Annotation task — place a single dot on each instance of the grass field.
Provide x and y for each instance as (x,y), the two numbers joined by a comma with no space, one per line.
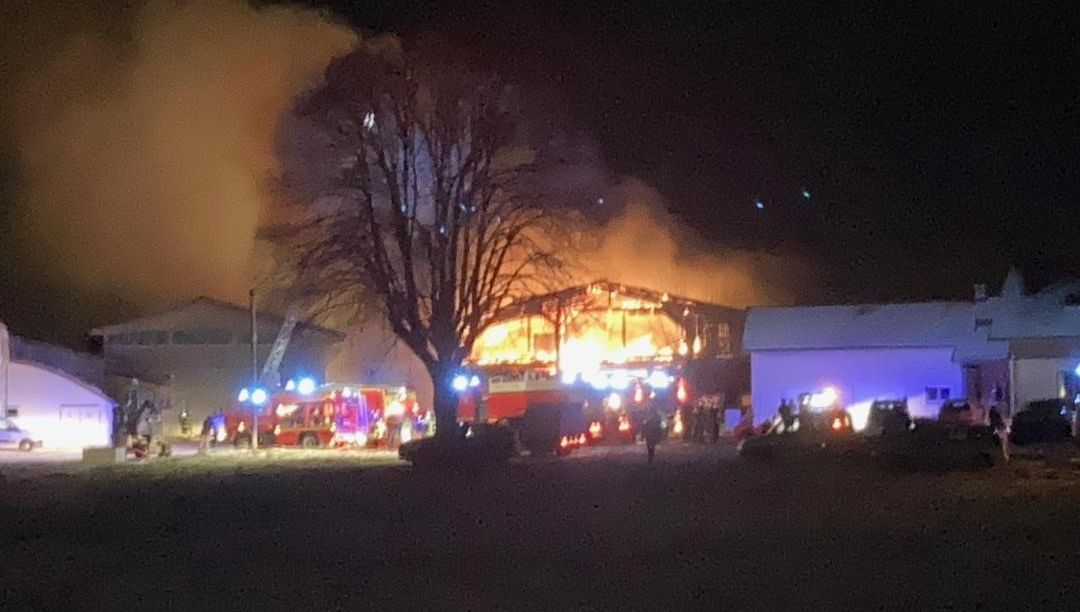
(599,530)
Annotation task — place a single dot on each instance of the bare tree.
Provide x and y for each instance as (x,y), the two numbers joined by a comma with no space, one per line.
(419,195)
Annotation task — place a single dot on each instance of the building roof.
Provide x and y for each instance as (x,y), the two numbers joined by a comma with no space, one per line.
(1036,316)
(926,324)
(597,293)
(978,331)
(219,305)
(74,380)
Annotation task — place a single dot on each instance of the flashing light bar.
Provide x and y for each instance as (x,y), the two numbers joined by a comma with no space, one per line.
(306,386)
(659,379)
(825,399)
(258,397)
(460,383)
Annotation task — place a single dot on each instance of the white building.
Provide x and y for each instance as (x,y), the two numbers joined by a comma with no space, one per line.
(57,408)
(1023,347)
(198,355)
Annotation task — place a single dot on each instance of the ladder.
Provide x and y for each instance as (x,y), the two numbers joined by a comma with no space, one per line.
(270,375)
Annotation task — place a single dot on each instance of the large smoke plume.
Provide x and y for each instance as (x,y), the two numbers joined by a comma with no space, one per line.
(642,244)
(144,136)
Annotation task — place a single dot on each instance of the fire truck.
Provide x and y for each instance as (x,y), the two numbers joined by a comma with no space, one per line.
(331,415)
(302,413)
(608,406)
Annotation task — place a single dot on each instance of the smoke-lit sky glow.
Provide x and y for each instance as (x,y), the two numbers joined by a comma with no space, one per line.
(895,155)
(146,167)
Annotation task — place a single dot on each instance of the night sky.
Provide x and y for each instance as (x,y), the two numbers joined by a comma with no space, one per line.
(936,144)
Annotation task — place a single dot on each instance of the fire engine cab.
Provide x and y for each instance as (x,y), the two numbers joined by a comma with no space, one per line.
(546,414)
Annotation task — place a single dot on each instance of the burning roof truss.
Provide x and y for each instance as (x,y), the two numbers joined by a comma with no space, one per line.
(607,323)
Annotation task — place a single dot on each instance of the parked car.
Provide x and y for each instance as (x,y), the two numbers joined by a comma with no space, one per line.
(957,412)
(827,433)
(887,417)
(478,444)
(1047,420)
(13,436)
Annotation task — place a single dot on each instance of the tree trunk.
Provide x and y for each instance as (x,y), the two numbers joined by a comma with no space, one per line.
(446,407)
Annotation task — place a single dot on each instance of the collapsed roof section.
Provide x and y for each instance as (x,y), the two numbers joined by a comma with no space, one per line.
(600,323)
(604,295)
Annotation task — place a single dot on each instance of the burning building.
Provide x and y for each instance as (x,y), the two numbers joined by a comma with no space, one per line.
(613,339)
(589,327)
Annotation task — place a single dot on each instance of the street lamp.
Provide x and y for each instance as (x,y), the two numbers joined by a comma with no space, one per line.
(254,372)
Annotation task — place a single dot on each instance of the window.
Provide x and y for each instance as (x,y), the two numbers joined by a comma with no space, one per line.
(202,336)
(938,394)
(723,338)
(12,412)
(139,338)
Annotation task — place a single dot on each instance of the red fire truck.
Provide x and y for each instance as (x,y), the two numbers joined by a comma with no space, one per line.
(607,406)
(329,416)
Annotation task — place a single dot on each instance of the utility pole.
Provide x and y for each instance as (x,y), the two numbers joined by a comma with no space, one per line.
(254,372)
(5,357)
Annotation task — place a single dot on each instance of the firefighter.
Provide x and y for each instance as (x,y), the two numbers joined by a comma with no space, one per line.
(207,434)
(185,422)
(699,423)
(652,430)
(714,423)
(1001,428)
(787,414)
(393,431)
(689,422)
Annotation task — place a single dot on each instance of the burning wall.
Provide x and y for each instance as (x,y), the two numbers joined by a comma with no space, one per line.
(599,324)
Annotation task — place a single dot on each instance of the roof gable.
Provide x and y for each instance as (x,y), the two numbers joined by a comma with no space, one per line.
(204,308)
(1038,316)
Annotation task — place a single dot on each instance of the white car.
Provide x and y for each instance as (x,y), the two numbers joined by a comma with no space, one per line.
(13,436)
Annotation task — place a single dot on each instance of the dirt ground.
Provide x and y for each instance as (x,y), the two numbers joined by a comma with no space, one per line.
(599,530)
